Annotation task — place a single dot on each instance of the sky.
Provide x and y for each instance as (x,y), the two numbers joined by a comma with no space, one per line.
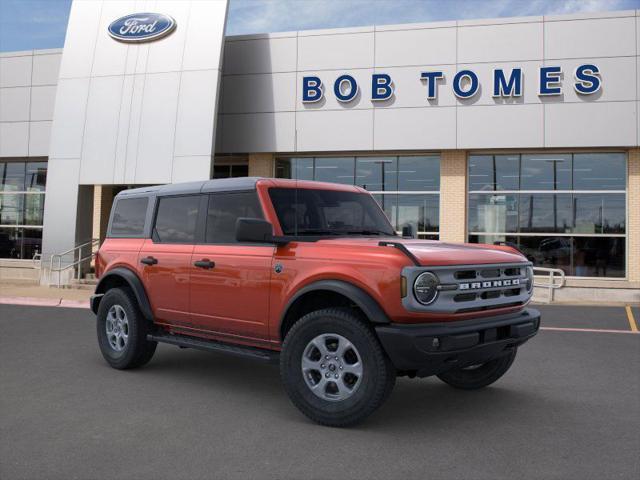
(34,24)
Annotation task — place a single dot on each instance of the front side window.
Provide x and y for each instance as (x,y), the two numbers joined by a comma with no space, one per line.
(176,219)
(128,217)
(328,212)
(223,212)
(564,211)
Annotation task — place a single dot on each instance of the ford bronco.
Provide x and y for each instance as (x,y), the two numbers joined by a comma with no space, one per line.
(311,275)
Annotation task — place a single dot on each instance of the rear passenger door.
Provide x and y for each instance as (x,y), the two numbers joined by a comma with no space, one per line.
(230,281)
(165,259)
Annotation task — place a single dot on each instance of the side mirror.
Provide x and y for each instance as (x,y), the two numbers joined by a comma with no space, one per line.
(253,230)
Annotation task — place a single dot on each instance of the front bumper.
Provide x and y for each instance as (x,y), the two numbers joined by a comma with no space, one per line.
(429,349)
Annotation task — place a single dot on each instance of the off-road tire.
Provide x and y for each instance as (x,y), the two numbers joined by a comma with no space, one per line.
(482,376)
(137,351)
(378,378)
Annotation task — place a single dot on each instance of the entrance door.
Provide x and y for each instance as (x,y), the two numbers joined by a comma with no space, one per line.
(230,281)
(165,259)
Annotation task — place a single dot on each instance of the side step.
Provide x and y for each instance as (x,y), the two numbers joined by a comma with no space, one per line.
(215,346)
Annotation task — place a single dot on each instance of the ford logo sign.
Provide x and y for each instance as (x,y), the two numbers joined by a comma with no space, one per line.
(141,27)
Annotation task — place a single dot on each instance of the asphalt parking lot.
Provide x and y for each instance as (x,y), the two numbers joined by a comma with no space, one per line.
(568,409)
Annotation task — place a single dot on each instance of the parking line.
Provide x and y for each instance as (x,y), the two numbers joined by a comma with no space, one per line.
(589,330)
(632,321)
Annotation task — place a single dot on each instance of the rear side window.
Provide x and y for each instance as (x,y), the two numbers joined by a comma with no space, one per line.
(225,209)
(176,219)
(129,216)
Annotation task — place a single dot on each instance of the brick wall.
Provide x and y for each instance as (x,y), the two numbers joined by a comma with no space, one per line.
(453,196)
(261,164)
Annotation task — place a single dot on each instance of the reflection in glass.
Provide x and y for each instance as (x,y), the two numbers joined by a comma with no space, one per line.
(13,177)
(599,256)
(335,170)
(493,213)
(377,173)
(546,172)
(419,174)
(12,209)
(36,176)
(421,212)
(599,213)
(540,212)
(599,171)
(494,172)
(33,209)
(389,203)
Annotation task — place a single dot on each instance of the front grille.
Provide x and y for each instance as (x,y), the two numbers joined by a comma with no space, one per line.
(473,287)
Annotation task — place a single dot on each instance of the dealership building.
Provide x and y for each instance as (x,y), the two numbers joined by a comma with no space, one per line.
(522,130)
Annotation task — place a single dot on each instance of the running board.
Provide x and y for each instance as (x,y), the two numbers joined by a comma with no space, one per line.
(215,346)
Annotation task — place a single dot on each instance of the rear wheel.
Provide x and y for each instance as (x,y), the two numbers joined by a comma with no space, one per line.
(334,369)
(122,330)
(481,375)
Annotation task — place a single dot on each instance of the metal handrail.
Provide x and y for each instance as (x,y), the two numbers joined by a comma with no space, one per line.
(78,248)
(551,276)
(37,260)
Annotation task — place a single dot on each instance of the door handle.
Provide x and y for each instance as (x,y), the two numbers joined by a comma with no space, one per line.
(204,263)
(149,261)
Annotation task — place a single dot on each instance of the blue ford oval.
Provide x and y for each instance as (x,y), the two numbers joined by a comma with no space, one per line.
(142,27)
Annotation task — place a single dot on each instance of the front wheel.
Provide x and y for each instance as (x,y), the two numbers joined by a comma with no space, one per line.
(481,375)
(334,369)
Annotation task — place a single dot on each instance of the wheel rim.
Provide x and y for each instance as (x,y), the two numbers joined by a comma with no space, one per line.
(117,328)
(332,367)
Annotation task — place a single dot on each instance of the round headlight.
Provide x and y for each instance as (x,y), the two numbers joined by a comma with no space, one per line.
(425,288)
(529,279)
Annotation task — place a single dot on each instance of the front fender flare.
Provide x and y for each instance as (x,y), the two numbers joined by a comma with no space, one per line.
(133,281)
(362,299)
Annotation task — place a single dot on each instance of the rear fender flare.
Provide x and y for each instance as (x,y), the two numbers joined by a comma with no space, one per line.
(133,281)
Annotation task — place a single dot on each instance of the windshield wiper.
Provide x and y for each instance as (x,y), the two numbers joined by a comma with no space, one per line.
(370,232)
(318,231)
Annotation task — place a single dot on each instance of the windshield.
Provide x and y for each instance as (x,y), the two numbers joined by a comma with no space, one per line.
(328,212)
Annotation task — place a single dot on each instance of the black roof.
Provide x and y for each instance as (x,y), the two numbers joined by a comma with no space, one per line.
(208,186)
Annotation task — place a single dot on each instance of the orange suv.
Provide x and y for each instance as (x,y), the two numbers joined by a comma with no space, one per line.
(311,275)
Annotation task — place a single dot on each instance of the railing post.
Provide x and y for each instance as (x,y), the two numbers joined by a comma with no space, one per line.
(551,285)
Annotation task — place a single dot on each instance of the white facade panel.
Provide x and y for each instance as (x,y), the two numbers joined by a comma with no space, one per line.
(415,128)
(166,56)
(42,102)
(428,46)
(500,43)
(134,121)
(259,132)
(259,93)
(101,130)
(204,39)
(332,52)
(329,100)
(66,133)
(80,41)
(260,56)
(15,71)
(506,126)
(14,139)
(110,57)
(591,124)
(46,69)
(191,168)
(157,128)
(14,104)
(608,37)
(334,130)
(39,137)
(196,108)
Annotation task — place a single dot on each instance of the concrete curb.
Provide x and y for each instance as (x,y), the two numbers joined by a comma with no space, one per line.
(44,302)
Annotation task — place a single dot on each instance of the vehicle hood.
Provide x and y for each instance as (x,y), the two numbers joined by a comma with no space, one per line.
(435,253)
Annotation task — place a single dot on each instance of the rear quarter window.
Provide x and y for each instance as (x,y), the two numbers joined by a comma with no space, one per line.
(128,217)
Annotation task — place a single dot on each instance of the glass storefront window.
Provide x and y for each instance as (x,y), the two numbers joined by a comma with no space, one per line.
(401,178)
(581,230)
(22,187)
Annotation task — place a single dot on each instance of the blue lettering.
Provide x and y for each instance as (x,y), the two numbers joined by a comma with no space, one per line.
(311,89)
(431,79)
(473,84)
(351,92)
(550,81)
(381,87)
(587,79)
(507,88)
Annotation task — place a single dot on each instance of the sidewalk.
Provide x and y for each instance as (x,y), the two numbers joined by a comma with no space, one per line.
(28,294)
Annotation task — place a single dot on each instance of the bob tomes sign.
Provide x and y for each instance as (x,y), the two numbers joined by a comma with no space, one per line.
(465,84)
(141,27)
